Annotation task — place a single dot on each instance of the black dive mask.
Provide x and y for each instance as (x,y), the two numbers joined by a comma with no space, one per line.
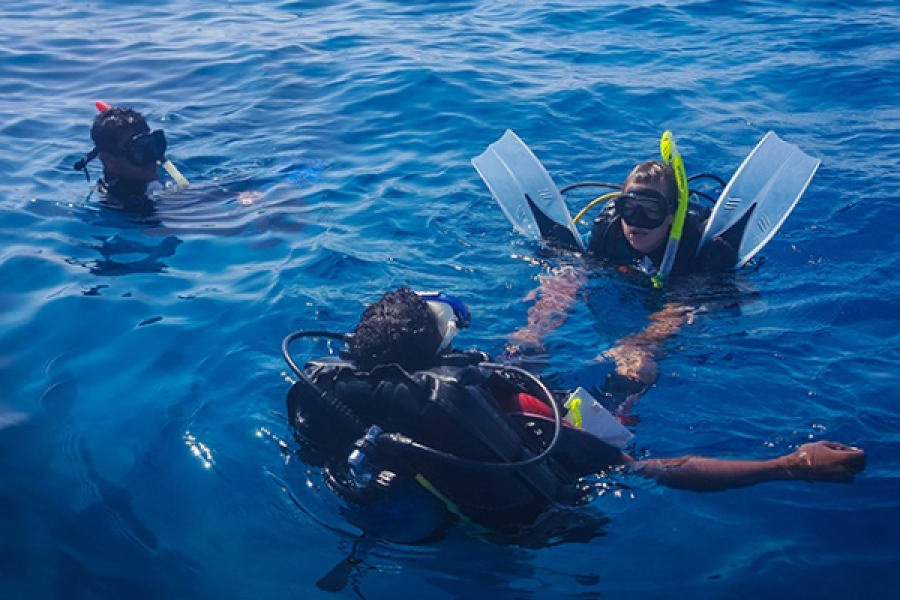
(643,207)
(144,148)
(141,150)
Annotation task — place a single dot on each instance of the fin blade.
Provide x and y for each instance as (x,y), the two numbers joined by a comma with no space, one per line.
(519,182)
(772,178)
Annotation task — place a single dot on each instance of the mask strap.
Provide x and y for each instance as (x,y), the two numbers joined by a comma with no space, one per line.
(82,164)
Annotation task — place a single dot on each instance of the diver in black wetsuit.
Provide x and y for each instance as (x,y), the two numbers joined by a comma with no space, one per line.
(631,234)
(130,153)
(412,432)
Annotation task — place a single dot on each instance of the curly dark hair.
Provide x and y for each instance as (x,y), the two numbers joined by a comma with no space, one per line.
(115,125)
(398,329)
(655,172)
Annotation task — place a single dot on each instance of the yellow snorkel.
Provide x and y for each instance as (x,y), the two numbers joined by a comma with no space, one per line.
(670,155)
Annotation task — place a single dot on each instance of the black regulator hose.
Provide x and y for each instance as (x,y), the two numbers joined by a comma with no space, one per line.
(715,178)
(286,351)
(350,420)
(614,186)
(573,186)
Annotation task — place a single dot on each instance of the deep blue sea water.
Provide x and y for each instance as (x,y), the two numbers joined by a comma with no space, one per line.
(144,450)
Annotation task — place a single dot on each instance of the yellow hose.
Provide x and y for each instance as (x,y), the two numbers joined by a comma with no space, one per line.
(594,203)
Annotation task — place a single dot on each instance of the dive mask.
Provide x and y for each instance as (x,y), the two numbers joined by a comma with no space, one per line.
(450,314)
(142,149)
(145,148)
(642,207)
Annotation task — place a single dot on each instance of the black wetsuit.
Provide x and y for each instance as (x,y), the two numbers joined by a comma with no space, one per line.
(130,196)
(607,242)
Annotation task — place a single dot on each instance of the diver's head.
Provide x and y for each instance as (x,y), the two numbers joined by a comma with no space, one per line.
(647,205)
(125,145)
(406,328)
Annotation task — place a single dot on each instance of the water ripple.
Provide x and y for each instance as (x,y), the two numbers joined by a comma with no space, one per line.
(328,146)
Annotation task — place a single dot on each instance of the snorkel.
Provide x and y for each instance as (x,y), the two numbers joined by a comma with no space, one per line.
(160,144)
(670,155)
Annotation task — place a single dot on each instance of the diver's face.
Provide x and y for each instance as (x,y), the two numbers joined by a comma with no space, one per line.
(645,239)
(116,165)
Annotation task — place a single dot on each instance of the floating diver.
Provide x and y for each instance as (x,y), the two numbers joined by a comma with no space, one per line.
(414,434)
(131,154)
(655,226)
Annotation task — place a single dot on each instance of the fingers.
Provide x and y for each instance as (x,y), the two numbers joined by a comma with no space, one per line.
(854,457)
(857,460)
(835,446)
(831,461)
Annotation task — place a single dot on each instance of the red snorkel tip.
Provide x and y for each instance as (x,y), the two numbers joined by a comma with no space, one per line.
(102,106)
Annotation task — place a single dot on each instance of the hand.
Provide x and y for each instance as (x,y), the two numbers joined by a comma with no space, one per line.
(524,338)
(824,461)
(634,363)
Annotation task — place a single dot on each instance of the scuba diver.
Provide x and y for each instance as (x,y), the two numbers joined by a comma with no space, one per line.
(131,154)
(631,234)
(414,434)
(653,227)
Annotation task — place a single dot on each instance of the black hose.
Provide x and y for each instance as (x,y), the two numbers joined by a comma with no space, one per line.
(285,348)
(612,186)
(715,178)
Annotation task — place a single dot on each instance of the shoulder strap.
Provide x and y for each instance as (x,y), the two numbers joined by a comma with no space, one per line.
(606,234)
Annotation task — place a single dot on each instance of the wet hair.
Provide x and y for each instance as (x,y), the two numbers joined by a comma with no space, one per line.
(654,172)
(398,329)
(114,125)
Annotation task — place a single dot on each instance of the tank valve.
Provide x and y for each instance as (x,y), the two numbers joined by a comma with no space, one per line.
(360,474)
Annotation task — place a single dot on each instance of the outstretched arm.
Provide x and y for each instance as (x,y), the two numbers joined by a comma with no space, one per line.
(818,461)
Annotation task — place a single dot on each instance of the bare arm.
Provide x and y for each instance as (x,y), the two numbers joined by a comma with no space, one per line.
(555,295)
(636,355)
(818,461)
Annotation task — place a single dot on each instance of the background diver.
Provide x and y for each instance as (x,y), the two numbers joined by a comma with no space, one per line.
(402,412)
(131,155)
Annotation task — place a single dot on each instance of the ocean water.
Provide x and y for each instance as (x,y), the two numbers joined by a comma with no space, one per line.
(144,448)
